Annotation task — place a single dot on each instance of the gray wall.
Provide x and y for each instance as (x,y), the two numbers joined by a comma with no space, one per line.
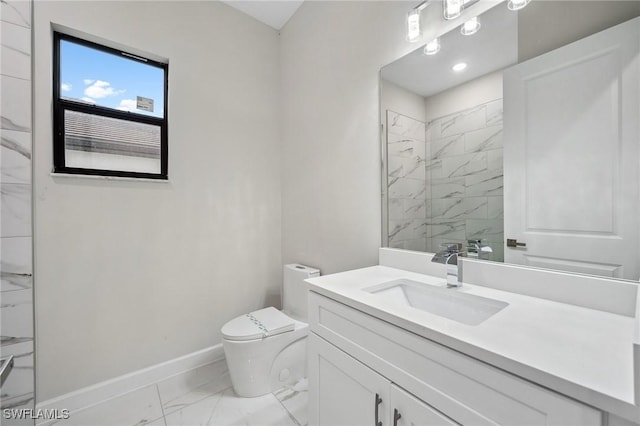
(132,273)
(331,55)
(547,25)
(15,207)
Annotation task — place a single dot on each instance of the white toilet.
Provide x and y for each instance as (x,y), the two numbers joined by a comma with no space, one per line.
(266,349)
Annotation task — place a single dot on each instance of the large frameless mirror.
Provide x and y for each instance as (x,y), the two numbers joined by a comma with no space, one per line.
(521,141)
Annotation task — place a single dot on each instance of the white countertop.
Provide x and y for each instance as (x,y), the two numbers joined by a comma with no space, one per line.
(583,353)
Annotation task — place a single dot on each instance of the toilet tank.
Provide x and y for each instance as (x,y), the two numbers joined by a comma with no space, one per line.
(294,290)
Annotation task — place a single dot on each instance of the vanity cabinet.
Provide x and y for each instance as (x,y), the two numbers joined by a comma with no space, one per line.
(354,356)
(350,393)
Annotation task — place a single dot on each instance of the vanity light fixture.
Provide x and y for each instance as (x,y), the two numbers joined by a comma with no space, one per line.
(470,27)
(432,47)
(414,31)
(517,4)
(413,26)
(459,67)
(452,8)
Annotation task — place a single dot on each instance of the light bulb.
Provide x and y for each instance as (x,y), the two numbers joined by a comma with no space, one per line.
(413,26)
(517,4)
(432,47)
(452,9)
(459,67)
(470,27)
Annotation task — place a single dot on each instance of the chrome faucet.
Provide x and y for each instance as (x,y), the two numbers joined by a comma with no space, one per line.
(451,255)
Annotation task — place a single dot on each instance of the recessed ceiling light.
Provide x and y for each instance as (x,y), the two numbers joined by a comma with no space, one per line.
(459,67)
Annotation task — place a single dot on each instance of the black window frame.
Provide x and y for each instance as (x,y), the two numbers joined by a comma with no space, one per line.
(61,105)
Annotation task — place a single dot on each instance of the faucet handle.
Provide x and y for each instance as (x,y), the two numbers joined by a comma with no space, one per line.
(452,247)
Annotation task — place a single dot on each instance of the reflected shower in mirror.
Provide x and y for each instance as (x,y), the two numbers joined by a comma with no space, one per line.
(532,141)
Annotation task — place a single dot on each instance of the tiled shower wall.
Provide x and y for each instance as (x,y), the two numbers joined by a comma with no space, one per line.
(466,175)
(16,297)
(406,182)
(445,180)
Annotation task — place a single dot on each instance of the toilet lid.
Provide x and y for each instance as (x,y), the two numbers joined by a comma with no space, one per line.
(258,325)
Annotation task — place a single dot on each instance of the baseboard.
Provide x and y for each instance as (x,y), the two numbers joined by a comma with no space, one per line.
(100,392)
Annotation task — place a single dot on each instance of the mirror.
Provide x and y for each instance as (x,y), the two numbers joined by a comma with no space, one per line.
(535,142)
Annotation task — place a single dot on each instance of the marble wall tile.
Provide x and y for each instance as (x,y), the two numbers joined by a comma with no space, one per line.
(459,208)
(495,207)
(407,208)
(16,12)
(15,157)
(401,230)
(447,147)
(484,139)
(450,230)
(484,184)
(465,175)
(398,124)
(19,382)
(413,168)
(15,210)
(16,298)
(16,311)
(15,104)
(15,51)
(464,165)
(395,208)
(401,146)
(494,113)
(463,121)
(447,188)
(15,263)
(407,188)
(495,160)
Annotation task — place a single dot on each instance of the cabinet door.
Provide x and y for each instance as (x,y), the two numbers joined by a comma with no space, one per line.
(343,391)
(407,410)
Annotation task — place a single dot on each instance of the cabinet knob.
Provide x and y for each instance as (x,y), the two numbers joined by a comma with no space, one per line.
(378,402)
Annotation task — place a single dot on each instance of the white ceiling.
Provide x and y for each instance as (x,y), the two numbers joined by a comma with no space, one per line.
(492,48)
(273,13)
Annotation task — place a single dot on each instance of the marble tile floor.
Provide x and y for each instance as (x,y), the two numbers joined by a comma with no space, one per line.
(203,396)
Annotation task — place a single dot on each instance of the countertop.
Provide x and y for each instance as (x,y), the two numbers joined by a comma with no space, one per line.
(583,353)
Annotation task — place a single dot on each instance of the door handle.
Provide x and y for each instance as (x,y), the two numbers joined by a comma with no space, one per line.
(515,243)
(378,402)
(396,416)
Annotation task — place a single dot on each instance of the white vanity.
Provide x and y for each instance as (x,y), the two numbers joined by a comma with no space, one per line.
(556,348)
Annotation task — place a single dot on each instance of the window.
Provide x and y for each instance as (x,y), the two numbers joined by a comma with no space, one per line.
(109,111)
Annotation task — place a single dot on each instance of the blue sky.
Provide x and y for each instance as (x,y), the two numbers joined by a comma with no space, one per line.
(109,80)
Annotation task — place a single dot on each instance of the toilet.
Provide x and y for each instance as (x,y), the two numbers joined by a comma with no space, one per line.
(266,349)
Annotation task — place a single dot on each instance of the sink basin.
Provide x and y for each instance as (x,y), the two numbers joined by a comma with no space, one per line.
(442,301)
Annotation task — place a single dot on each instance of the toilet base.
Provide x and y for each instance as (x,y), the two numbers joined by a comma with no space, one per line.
(259,367)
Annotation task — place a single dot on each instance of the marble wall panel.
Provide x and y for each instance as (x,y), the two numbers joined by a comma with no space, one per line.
(16,296)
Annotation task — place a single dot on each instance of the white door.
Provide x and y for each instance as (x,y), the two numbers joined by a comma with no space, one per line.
(571,156)
(343,391)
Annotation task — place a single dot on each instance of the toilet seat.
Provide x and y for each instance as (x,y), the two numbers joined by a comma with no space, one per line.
(258,325)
